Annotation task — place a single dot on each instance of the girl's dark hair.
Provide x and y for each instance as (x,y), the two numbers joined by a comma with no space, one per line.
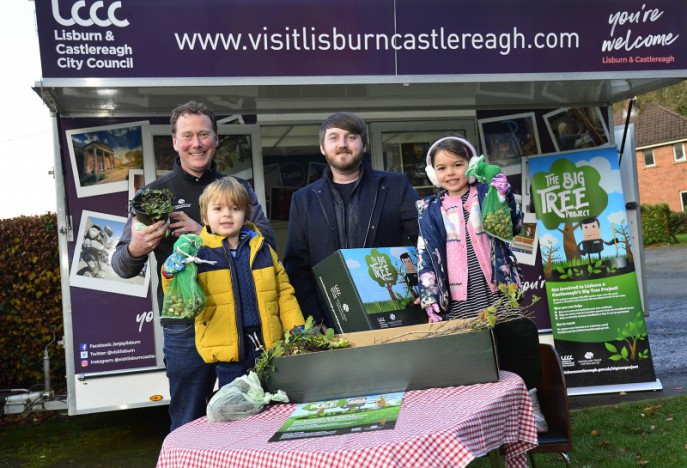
(454,146)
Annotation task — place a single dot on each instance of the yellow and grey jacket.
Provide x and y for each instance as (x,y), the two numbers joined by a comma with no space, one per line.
(217,336)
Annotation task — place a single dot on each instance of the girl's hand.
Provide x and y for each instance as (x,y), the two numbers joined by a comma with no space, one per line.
(501,184)
(433,313)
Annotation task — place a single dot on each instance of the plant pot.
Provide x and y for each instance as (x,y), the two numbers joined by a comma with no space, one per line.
(158,198)
(147,219)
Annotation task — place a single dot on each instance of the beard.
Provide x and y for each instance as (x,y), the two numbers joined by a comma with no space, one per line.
(345,161)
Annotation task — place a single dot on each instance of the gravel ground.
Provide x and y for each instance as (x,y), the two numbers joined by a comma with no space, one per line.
(666,277)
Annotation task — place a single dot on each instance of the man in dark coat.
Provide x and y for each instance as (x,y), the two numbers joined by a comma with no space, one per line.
(351,206)
(195,139)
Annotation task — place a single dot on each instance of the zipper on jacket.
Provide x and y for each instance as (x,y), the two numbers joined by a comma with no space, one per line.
(431,257)
(369,222)
(237,303)
(324,212)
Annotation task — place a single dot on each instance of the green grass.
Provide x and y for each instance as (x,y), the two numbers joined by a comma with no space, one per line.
(623,435)
(642,433)
(128,438)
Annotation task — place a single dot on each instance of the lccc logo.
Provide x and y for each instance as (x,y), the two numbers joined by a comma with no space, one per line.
(93,15)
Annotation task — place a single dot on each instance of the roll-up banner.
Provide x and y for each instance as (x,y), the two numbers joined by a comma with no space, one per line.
(591,283)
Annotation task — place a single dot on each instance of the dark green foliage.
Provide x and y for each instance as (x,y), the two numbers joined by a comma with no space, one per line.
(678,222)
(30,301)
(655,225)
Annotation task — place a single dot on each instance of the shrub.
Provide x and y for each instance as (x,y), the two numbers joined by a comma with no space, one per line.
(30,301)
(678,222)
(655,226)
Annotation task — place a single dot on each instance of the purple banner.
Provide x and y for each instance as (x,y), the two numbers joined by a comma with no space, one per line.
(112,318)
(318,38)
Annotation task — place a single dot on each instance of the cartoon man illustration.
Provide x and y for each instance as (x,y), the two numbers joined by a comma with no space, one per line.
(411,272)
(354,404)
(592,243)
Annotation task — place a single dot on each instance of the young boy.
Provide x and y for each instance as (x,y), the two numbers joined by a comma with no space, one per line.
(248,294)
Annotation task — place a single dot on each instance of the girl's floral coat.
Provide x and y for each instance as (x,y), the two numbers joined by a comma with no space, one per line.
(431,249)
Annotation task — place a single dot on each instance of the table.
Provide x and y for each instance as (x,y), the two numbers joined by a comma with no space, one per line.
(437,427)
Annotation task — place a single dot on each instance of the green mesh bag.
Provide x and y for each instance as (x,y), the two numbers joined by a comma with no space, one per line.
(496,218)
(184,298)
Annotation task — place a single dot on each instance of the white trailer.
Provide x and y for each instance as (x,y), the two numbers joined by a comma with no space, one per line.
(272,70)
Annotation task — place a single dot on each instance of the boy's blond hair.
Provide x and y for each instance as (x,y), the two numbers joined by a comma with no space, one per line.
(227,189)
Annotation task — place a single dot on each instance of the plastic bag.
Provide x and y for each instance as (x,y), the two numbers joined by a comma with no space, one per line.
(184,297)
(496,214)
(240,398)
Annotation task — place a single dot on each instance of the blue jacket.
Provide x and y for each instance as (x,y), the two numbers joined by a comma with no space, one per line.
(381,210)
(431,249)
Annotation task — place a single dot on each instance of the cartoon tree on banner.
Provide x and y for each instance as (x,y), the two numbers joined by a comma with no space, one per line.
(382,270)
(623,230)
(566,195)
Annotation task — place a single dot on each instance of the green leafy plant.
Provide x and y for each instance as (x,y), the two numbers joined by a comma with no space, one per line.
(631,335)
(309,339)
(156,203)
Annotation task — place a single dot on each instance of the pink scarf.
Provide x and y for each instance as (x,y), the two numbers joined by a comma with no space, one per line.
(456,249)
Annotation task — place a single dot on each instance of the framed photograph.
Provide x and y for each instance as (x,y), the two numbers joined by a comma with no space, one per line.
(95,244)
(136,181)
(164,152)
(234,156)
(574,128)
(102,156)
(524,245)
(509,138)
(526,188)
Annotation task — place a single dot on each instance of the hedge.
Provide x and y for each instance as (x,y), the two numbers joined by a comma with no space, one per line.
(655,226)
(30,302)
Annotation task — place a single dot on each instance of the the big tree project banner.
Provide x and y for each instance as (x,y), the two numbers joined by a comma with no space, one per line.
(591,283)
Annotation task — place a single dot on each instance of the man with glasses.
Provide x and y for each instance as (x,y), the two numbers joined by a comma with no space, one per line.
(194,137)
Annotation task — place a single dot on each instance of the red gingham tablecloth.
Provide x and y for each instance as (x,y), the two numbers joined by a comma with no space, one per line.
(437,427)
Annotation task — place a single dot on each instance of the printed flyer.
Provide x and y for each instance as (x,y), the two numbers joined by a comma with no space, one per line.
(591,283)
(342,416)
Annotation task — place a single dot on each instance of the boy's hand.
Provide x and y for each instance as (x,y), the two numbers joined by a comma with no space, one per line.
(173,265)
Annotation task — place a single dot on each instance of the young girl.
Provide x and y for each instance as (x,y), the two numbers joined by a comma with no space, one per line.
(459,264)
(249,299)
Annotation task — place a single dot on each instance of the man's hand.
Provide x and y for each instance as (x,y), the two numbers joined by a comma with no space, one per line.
(181,223)
(145,239)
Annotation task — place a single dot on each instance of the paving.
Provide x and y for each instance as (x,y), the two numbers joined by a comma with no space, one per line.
(665,271)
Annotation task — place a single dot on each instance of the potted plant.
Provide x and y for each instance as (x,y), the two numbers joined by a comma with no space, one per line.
(152,205)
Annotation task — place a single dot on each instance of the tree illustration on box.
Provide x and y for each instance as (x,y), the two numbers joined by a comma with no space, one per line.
(630,336)
(382,270)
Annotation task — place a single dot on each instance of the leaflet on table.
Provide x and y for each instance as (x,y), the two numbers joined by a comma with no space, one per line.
(342,416)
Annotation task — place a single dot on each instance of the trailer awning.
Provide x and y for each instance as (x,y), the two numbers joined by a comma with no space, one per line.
(98,97)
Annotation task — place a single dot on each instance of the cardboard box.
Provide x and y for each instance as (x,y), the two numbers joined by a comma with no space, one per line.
(412,360)
(372,288)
